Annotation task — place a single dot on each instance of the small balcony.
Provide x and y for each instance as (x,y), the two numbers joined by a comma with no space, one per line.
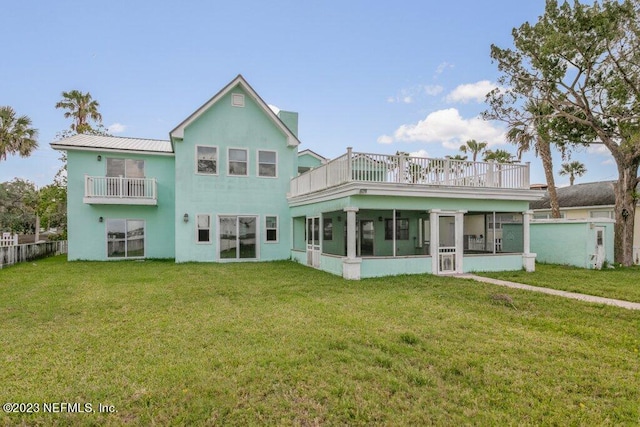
(394,170)
(107,190)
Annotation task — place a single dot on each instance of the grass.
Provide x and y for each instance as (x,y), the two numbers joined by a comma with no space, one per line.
(618,283)
(279,343)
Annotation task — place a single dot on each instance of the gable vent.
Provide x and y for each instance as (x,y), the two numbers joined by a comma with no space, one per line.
(237,100)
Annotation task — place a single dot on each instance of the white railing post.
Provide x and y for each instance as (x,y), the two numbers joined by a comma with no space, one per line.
(447,172)
(490,174)
(120,186)
(526,170)
(349,165)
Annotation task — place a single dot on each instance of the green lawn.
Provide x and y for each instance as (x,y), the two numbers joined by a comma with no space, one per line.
(279,343)
(619,283)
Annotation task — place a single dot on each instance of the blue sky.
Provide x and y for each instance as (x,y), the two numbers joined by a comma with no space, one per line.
(377,76)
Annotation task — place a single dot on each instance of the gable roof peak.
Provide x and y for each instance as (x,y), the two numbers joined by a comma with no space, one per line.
(178,131)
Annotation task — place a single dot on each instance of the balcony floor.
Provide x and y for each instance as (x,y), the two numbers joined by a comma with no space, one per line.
(120,201)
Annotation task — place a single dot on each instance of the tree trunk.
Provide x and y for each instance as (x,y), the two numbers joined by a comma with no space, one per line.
(544,148)
(625,209)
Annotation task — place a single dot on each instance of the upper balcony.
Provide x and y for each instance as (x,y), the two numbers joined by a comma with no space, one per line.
(107,190)
(414,171)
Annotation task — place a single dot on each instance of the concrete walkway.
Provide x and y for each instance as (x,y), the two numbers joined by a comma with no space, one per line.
(581,297)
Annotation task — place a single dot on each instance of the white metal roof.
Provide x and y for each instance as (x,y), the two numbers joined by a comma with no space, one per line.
(117,143)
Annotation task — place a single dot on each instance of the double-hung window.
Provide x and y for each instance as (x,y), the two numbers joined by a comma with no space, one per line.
(267,163)
(203,228)
(238,161)
(206,160)
(271,229)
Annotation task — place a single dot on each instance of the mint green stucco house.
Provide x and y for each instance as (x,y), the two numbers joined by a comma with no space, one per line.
(231,185)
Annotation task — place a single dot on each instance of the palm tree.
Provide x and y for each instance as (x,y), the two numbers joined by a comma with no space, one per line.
(16,134)
(573,169)
(500,156)
(474,147)
(532,131)
(81,107)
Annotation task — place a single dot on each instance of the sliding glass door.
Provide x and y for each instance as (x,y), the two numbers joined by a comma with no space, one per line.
(238,237)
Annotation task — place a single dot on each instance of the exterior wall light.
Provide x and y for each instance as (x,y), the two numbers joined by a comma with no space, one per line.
(101,219)
(185,218)
(99,158)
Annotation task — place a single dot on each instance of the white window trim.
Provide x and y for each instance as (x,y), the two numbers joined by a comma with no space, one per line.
(217,159)
(106,162)
(106,239)
(229,161)
(237,99)
(267,229)
(258,164)
(258,231)
(609,213)
(210,242)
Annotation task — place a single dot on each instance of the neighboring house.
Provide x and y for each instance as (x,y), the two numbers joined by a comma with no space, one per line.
(308,160)
(231,185)
(592,200)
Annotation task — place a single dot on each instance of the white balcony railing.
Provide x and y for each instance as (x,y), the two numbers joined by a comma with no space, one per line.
(120,190)
(399,169)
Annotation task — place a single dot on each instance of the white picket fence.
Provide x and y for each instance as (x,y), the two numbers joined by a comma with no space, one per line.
(8,239)
(10,255)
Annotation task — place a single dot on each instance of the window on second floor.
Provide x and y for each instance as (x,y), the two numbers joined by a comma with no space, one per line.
(267,163)
(238,161)
(601,214)
(206,160)
(128,168)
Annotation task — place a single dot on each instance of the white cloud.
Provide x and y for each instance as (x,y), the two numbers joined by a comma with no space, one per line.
(419,153)
(443,66)
(409,95)
(433,90)
(274,108)
(117,128)
(598,149)
(385,139)
(609,162)
(449,128)
(471,92)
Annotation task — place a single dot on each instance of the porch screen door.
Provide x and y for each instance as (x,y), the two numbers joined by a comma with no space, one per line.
(313,242)
(599,259)
(446,244)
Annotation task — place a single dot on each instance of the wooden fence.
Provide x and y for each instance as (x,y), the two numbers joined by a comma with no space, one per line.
(10,255)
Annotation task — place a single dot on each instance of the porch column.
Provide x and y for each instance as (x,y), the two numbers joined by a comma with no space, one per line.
(351,265)
(459,215)
(351,232)
(528,259)
(434,234)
